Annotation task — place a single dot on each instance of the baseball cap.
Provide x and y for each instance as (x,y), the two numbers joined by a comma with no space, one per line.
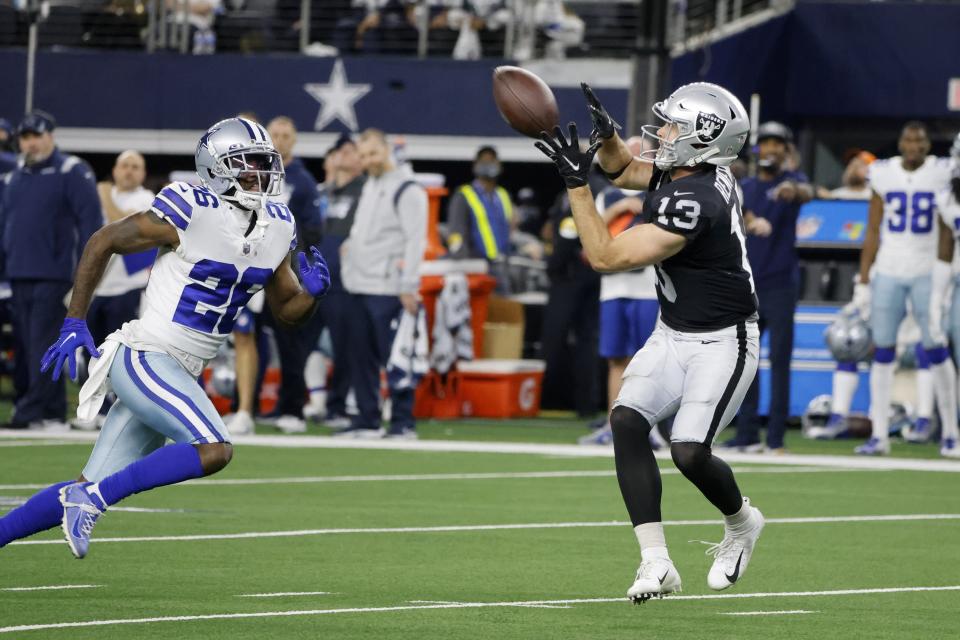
(37,122)
(6,125)
(775,130)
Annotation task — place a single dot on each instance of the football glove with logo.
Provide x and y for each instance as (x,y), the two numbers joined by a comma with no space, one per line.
(603,125)
(572,163)
(315,277)
(74,335)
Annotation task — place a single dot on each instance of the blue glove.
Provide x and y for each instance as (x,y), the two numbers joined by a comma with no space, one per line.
(73,335)
(316,277)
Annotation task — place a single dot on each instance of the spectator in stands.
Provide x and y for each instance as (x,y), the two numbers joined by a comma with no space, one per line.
(388,26)
(561,26)
(381,269)
(200,15)
(480,217)
(8,156)
(473,21)
(343,194)
(853,184)
(48,212)
(771,205)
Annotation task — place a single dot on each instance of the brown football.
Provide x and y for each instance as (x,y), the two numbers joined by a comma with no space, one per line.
(525,101)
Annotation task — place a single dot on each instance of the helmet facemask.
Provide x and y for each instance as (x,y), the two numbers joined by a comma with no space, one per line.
(663,150)
(255,175)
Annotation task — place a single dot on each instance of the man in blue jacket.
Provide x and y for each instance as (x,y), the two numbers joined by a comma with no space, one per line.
(48,210)
(771,205)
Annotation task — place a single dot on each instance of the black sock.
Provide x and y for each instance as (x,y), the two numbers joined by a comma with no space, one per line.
(637,470)
(711,475)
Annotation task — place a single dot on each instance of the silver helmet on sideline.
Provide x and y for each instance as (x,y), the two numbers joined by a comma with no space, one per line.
(848,337)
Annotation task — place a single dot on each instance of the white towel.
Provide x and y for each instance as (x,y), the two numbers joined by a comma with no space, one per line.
(408,355)
(97,386)
(452,331)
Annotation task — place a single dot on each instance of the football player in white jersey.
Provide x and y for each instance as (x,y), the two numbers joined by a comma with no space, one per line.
(901,247)
(218,245)
(941,305)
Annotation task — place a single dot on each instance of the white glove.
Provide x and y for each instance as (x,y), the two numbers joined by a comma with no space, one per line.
(861,299)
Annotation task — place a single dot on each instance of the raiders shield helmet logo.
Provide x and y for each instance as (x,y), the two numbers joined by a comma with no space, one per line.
(709,126)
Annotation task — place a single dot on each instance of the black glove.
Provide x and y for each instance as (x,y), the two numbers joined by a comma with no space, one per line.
(603,125)
(572,163)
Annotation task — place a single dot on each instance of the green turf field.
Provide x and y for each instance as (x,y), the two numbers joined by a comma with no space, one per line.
(363,552)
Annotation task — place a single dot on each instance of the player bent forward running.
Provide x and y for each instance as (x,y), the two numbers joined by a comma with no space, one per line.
(219,244)
(702,357)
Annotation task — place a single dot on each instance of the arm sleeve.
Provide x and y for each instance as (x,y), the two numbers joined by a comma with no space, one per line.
(171,204)
(458,222)
(412,209)
(84,201)
(687,216)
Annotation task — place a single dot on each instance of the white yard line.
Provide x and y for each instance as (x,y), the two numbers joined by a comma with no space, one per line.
(766,613)
(461,605)
(55,587)
(296,533)
(567,450)
(283,594)
(430,477)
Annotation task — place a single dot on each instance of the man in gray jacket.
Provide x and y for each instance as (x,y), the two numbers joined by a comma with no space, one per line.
(381,270)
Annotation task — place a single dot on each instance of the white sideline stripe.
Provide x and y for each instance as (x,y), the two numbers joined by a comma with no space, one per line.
(55,587)
(565,450)
(294,533)
(173,400)
(525,606)
(461,605)
(766,613)
(497,475)
(282,594)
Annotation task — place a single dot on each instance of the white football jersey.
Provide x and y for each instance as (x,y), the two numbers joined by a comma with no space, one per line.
(908,231)
(126,273)
(196,291)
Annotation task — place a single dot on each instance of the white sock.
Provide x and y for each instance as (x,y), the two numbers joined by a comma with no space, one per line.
(741,520)
(845,385)
(881,385)
(945,383)
(653,544)
(315,371)
(925,382)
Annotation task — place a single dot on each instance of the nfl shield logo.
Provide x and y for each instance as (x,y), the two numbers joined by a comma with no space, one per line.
(246,248)
(709,126)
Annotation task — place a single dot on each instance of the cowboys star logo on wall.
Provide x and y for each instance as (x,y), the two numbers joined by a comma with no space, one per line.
(337,98)
(709,126)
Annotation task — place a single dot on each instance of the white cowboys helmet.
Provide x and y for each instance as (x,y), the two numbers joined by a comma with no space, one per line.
(712,127)
(236,159)
(848,337)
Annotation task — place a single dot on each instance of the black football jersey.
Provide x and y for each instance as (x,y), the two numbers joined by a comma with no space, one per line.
(707,285)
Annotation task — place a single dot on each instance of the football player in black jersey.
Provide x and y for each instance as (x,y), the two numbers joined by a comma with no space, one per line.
(702,357)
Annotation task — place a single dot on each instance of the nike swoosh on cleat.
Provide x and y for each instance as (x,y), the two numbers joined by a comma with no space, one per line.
(736,571)
(663,578)
(74,529)
(575,167)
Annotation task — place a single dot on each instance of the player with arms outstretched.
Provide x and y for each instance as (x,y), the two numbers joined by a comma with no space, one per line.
(703,355)
(896,264)
(218,245)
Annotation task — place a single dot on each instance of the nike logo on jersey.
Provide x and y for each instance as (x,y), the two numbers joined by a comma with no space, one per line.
(575,167)
(707,341)
(736,571)
(683,193)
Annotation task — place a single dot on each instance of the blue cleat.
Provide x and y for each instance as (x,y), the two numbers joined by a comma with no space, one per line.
(873,447)
(919,432)
(80,514)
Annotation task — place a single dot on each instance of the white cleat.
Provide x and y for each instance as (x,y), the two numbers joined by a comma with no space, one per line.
(949,448)
(240,424)
(655,579)
(291,424)
(732,555)
(873,447)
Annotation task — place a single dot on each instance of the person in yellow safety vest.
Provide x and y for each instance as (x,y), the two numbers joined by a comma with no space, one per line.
(480,214)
